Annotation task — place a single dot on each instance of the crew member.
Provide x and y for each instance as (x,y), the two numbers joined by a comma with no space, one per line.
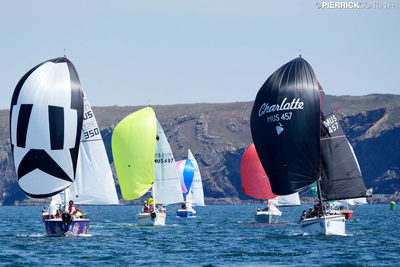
(71,208)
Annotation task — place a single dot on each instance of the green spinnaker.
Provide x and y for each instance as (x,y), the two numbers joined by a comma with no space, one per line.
(133,147)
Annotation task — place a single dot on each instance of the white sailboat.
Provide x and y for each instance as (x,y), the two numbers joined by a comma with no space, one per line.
(194,196)
(94,182)
(49,127)
(255,183)
(166,188)
(299,141)
(144,160)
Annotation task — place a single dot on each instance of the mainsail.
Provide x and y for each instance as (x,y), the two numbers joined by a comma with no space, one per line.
(133,147)
(46,116)
(285,126)
(167,185)
(196,193)
(340,172)
(94,183)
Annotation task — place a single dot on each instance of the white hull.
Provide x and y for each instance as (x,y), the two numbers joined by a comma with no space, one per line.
(189,209)
(328,225)
(146,219)
(267,216)
(188,212)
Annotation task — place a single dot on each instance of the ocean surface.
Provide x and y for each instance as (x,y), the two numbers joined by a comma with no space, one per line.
(217,236)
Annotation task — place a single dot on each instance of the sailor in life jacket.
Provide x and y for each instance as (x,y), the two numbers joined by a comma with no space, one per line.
(146,208)
(71,208)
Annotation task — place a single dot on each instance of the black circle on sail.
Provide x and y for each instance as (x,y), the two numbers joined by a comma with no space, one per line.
(285,126)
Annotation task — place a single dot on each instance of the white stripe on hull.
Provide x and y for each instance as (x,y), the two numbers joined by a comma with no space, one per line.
(145,219)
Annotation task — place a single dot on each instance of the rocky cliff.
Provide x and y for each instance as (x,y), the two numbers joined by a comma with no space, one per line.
(218,135)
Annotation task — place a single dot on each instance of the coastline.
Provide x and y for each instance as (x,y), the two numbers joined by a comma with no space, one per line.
(375,199)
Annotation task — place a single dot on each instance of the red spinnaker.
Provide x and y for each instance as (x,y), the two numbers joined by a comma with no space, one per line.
(255,182)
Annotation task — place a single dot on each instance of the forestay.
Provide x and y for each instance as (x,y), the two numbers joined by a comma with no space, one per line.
(46,117)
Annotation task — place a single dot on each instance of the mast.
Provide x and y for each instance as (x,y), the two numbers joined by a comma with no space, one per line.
(66,197)
(153,195)
(321,202)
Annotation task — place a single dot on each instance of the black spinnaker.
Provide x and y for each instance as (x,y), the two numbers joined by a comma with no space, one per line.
(285,126)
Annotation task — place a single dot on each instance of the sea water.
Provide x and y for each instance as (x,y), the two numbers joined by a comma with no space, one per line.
(217,236)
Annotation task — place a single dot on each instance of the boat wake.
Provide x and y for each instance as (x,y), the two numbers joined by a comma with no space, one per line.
(31,235)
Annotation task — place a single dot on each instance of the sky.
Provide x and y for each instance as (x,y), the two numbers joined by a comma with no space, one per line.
(163,52)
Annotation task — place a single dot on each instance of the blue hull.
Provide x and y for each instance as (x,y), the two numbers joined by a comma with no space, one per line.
(184,213)
(57,227)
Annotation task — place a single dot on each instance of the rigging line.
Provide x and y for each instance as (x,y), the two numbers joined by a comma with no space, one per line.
(92,211)
(176,207)
(91,140)
(334,137)
(101,213)
(305,192)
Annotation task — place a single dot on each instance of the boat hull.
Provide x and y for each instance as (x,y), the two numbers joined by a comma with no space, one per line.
(266,217)
(151,219)
(185,212)
(328,225)
(56,227)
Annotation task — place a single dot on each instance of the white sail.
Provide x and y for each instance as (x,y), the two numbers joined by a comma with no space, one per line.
(189,199)
(351,202)
(196,192)
(287,200)
(94,183)
(167,185)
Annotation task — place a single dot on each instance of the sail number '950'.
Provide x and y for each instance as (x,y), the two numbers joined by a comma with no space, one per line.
(277,117)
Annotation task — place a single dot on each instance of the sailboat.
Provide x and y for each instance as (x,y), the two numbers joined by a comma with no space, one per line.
(192,186)
(196,192)
(186,173)
(56,144)
(255,183)
(344,206)
(144,161)
(299,141)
